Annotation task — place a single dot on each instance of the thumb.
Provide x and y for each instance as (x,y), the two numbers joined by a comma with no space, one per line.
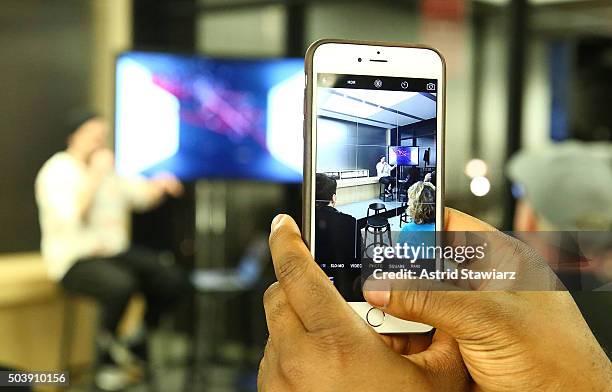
(440,304)
(309,291)
(459,313)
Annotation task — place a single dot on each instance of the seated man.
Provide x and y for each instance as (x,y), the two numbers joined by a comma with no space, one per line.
(337,238)
(383,172)
(412,177)
(84,217)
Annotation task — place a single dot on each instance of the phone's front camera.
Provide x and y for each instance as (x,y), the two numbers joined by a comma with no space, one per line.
(378,52)
(359,59)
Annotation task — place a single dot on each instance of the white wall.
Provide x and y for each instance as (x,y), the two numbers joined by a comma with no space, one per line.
(380,21)
(538,99)
(261,32)
(374,21)
(254,32)
(112,33)
(492,106)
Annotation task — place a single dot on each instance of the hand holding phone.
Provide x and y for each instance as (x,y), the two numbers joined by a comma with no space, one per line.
(318,343)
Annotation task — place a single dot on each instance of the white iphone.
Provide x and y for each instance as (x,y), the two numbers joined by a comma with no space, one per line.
(373,162)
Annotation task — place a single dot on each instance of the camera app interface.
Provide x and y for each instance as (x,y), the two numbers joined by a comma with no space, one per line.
(375,174)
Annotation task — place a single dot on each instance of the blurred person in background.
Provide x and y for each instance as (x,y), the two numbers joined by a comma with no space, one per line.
(84,212)
(562,189)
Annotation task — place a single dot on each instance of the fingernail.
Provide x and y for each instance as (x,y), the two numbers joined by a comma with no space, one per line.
(377,298)
(377,292)
(276,221)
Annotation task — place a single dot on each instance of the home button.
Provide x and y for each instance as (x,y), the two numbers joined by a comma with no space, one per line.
(375,317)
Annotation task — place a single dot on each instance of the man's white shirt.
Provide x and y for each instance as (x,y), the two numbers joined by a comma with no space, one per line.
(383,169)
(104,231)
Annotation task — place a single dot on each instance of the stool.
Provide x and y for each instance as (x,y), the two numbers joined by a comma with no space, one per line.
(404,215)
(378,208)
(381,192)
(402,190)
(67,333)
(378,226)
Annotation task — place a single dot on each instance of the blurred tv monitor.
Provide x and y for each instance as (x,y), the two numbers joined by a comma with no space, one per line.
(205,118)
(404,156)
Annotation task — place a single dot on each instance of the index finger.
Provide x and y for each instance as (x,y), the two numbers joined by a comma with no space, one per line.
(309,291)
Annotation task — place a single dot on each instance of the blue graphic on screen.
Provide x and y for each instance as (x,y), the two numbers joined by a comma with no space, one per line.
(199,117)
(404,156)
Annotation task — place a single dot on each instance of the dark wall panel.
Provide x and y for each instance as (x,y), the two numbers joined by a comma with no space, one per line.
(44,72)
(164,24)
(349,145)
(368,157)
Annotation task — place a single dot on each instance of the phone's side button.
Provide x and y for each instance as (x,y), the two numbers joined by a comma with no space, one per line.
(375,317)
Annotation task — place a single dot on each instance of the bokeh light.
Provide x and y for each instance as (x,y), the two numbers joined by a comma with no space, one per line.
(480,186)
(476,168)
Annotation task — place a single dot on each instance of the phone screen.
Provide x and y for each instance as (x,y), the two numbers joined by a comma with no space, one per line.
(375,181)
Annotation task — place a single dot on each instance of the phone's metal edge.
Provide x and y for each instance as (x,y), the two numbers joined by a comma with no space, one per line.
(440,156)
(308,158)
(307,175)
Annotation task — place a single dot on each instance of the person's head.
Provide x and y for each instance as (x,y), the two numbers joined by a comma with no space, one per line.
(382,159)
(88,133)
(565,186)
(422,202)
(325,193)
(566,190)
(430,177)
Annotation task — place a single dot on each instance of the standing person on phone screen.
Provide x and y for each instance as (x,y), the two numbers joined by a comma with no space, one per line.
(84,209)
(426,155)
(383,172)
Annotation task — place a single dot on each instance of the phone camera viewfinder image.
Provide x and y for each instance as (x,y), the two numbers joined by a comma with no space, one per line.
(375,184)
